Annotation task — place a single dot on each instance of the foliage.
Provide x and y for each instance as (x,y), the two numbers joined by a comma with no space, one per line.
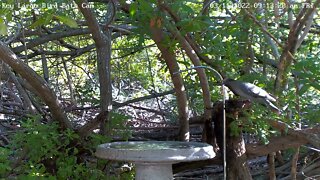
(44,143)
(4,161)
(117,127)
(49,152)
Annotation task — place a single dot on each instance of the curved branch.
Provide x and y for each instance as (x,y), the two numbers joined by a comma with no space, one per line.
(201,73)
(160,39)
(39,84)
(286,56)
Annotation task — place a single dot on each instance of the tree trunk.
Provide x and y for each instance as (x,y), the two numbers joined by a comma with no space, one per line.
(103,45)
(237,167)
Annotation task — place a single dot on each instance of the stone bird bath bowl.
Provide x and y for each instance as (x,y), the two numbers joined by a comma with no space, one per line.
(154,159)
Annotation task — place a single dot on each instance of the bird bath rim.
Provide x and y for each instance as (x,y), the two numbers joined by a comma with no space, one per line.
(155,151)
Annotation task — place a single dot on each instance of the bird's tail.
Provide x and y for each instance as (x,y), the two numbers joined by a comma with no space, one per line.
(274,108)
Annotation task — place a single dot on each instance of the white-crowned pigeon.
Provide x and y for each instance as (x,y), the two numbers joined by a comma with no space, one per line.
(252,92)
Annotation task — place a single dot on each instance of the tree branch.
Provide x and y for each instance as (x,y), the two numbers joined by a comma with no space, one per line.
(39,84)
(50,37)
(103,44)
(160,39)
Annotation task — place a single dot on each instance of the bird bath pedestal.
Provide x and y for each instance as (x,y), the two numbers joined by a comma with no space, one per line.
(154,159)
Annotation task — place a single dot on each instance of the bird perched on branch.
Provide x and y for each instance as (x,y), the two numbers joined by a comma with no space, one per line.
(252,92)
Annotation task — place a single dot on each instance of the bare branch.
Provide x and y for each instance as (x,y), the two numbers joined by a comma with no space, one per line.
(50,37)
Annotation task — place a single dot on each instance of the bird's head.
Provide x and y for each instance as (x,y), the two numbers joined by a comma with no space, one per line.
(226,81)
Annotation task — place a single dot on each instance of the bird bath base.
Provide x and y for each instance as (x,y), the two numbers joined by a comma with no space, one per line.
(154,159)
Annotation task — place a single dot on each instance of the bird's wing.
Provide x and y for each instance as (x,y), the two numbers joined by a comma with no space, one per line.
(252,92)
(257,92)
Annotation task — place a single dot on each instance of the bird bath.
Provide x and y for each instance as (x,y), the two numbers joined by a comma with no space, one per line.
(154,159)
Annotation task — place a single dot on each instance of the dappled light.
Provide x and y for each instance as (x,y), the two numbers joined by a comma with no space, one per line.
(201,89)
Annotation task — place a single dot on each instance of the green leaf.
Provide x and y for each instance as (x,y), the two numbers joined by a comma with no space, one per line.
(133,9)
(187,9)
(45,19)
(304,89)
(3,28)
(68,21)
(146,7)
(316,85)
